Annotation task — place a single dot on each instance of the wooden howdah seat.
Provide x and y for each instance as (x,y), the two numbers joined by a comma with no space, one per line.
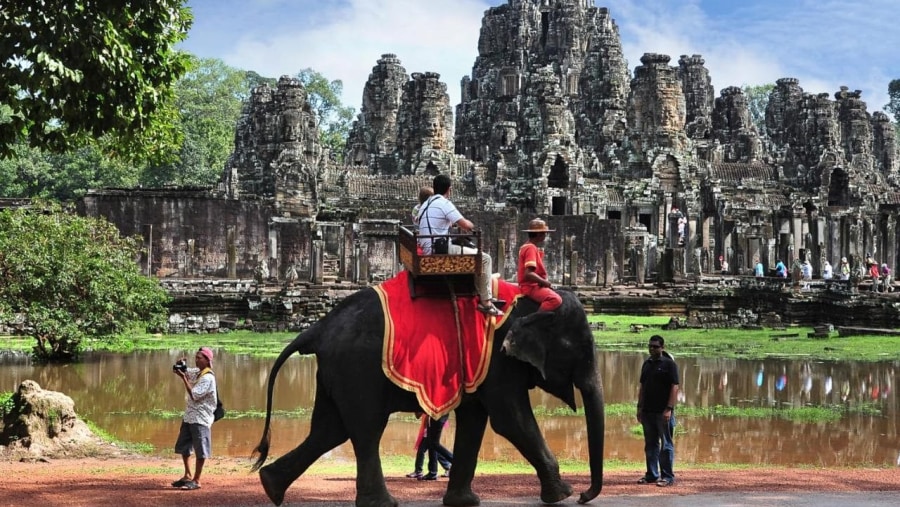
(439,275)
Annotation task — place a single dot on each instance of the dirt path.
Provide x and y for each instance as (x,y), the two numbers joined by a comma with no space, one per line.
(142,481)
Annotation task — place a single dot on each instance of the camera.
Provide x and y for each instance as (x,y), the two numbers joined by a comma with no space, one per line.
(181,366)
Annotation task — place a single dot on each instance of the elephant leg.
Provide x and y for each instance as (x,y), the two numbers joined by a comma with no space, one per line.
(327,431)
(471,421)
(371,490)
(512,418)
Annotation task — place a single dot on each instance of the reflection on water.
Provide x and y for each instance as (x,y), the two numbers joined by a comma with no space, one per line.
(123,393)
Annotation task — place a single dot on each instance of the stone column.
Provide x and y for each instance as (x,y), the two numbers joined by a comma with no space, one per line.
(573,268)
(273,254)
(727,246)
(316,262)
(797,232)
(362,263)
(693,233)
(705,247)
(189,264)
(890,243)
(500,260)
(230,253)
(610,268)
(640,267)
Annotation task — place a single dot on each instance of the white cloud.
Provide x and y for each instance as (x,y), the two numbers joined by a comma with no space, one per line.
(437,35)
(823,43)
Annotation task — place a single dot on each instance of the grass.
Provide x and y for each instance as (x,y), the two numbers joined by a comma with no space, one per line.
(618,335)
(136,447)
(628,333)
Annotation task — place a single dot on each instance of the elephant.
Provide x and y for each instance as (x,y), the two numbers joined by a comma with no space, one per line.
(354,397)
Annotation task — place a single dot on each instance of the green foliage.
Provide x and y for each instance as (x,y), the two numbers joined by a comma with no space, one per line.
(34,173)
(757,100)
(325,99)
(74,278)
(209,98)
(893,106)
(6,404)
(73,70)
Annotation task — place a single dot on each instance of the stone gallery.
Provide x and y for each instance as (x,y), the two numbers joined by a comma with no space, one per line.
(646,174)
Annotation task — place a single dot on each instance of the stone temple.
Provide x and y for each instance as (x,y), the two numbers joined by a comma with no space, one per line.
(646,173)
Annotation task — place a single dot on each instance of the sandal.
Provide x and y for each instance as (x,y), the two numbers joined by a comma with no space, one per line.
(179,483)
(190,485)
(645,480)
(489,309)
(664,483)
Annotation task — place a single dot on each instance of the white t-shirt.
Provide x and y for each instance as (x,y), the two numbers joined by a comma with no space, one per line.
(436,216)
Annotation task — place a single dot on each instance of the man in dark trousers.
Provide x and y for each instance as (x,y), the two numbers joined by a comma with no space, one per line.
(656,413)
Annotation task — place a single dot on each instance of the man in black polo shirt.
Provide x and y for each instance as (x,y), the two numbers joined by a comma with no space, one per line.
(656,413)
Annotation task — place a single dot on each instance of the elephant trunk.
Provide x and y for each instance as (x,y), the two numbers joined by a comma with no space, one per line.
(594,415)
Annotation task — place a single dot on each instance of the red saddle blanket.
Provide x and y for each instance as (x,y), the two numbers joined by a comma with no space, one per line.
(427,353)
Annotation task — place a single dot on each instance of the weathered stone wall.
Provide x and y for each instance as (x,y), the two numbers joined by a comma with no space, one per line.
(190,233)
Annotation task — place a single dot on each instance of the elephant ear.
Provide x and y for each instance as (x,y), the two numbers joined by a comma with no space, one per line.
(527,338)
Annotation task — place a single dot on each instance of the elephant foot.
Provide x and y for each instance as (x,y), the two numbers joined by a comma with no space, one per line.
(376,501)
(272,486)
(556,492)
(461,498)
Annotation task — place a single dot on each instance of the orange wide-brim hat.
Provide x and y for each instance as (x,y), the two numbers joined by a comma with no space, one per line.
(538,225)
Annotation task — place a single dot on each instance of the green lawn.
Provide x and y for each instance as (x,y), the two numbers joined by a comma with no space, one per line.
(631,333)
(619,335)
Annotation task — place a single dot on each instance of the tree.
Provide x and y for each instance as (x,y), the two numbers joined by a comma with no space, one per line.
(73,278)
(75,70)
(893,106)
(334,117)
(757,100)
(209,98)
(31,172)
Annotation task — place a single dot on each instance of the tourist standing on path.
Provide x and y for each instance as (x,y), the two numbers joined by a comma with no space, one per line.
(532,275)
(780,269)
(759,270)
(436,217)
(827,271)
(875,274)
(656,412)
(844,269)
(195,435)
(429,441)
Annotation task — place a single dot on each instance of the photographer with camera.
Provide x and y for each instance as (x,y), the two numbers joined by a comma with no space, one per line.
(195,435)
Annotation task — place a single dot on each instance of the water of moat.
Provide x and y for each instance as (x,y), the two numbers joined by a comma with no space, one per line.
(121,392)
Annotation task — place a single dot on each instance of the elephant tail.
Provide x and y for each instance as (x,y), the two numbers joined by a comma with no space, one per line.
(301,344)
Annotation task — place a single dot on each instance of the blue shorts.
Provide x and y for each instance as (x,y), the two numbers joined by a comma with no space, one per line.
(195,438)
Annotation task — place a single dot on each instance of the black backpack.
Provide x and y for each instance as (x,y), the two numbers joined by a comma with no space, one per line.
(220,410)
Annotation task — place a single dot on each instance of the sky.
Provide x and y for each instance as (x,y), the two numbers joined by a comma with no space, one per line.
(825,44)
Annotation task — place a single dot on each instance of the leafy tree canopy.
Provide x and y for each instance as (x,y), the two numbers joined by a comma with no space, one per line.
(334,117)
(67,176)
(76,70)
(893,106)
(209,98)
(73,278)
(757,100)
